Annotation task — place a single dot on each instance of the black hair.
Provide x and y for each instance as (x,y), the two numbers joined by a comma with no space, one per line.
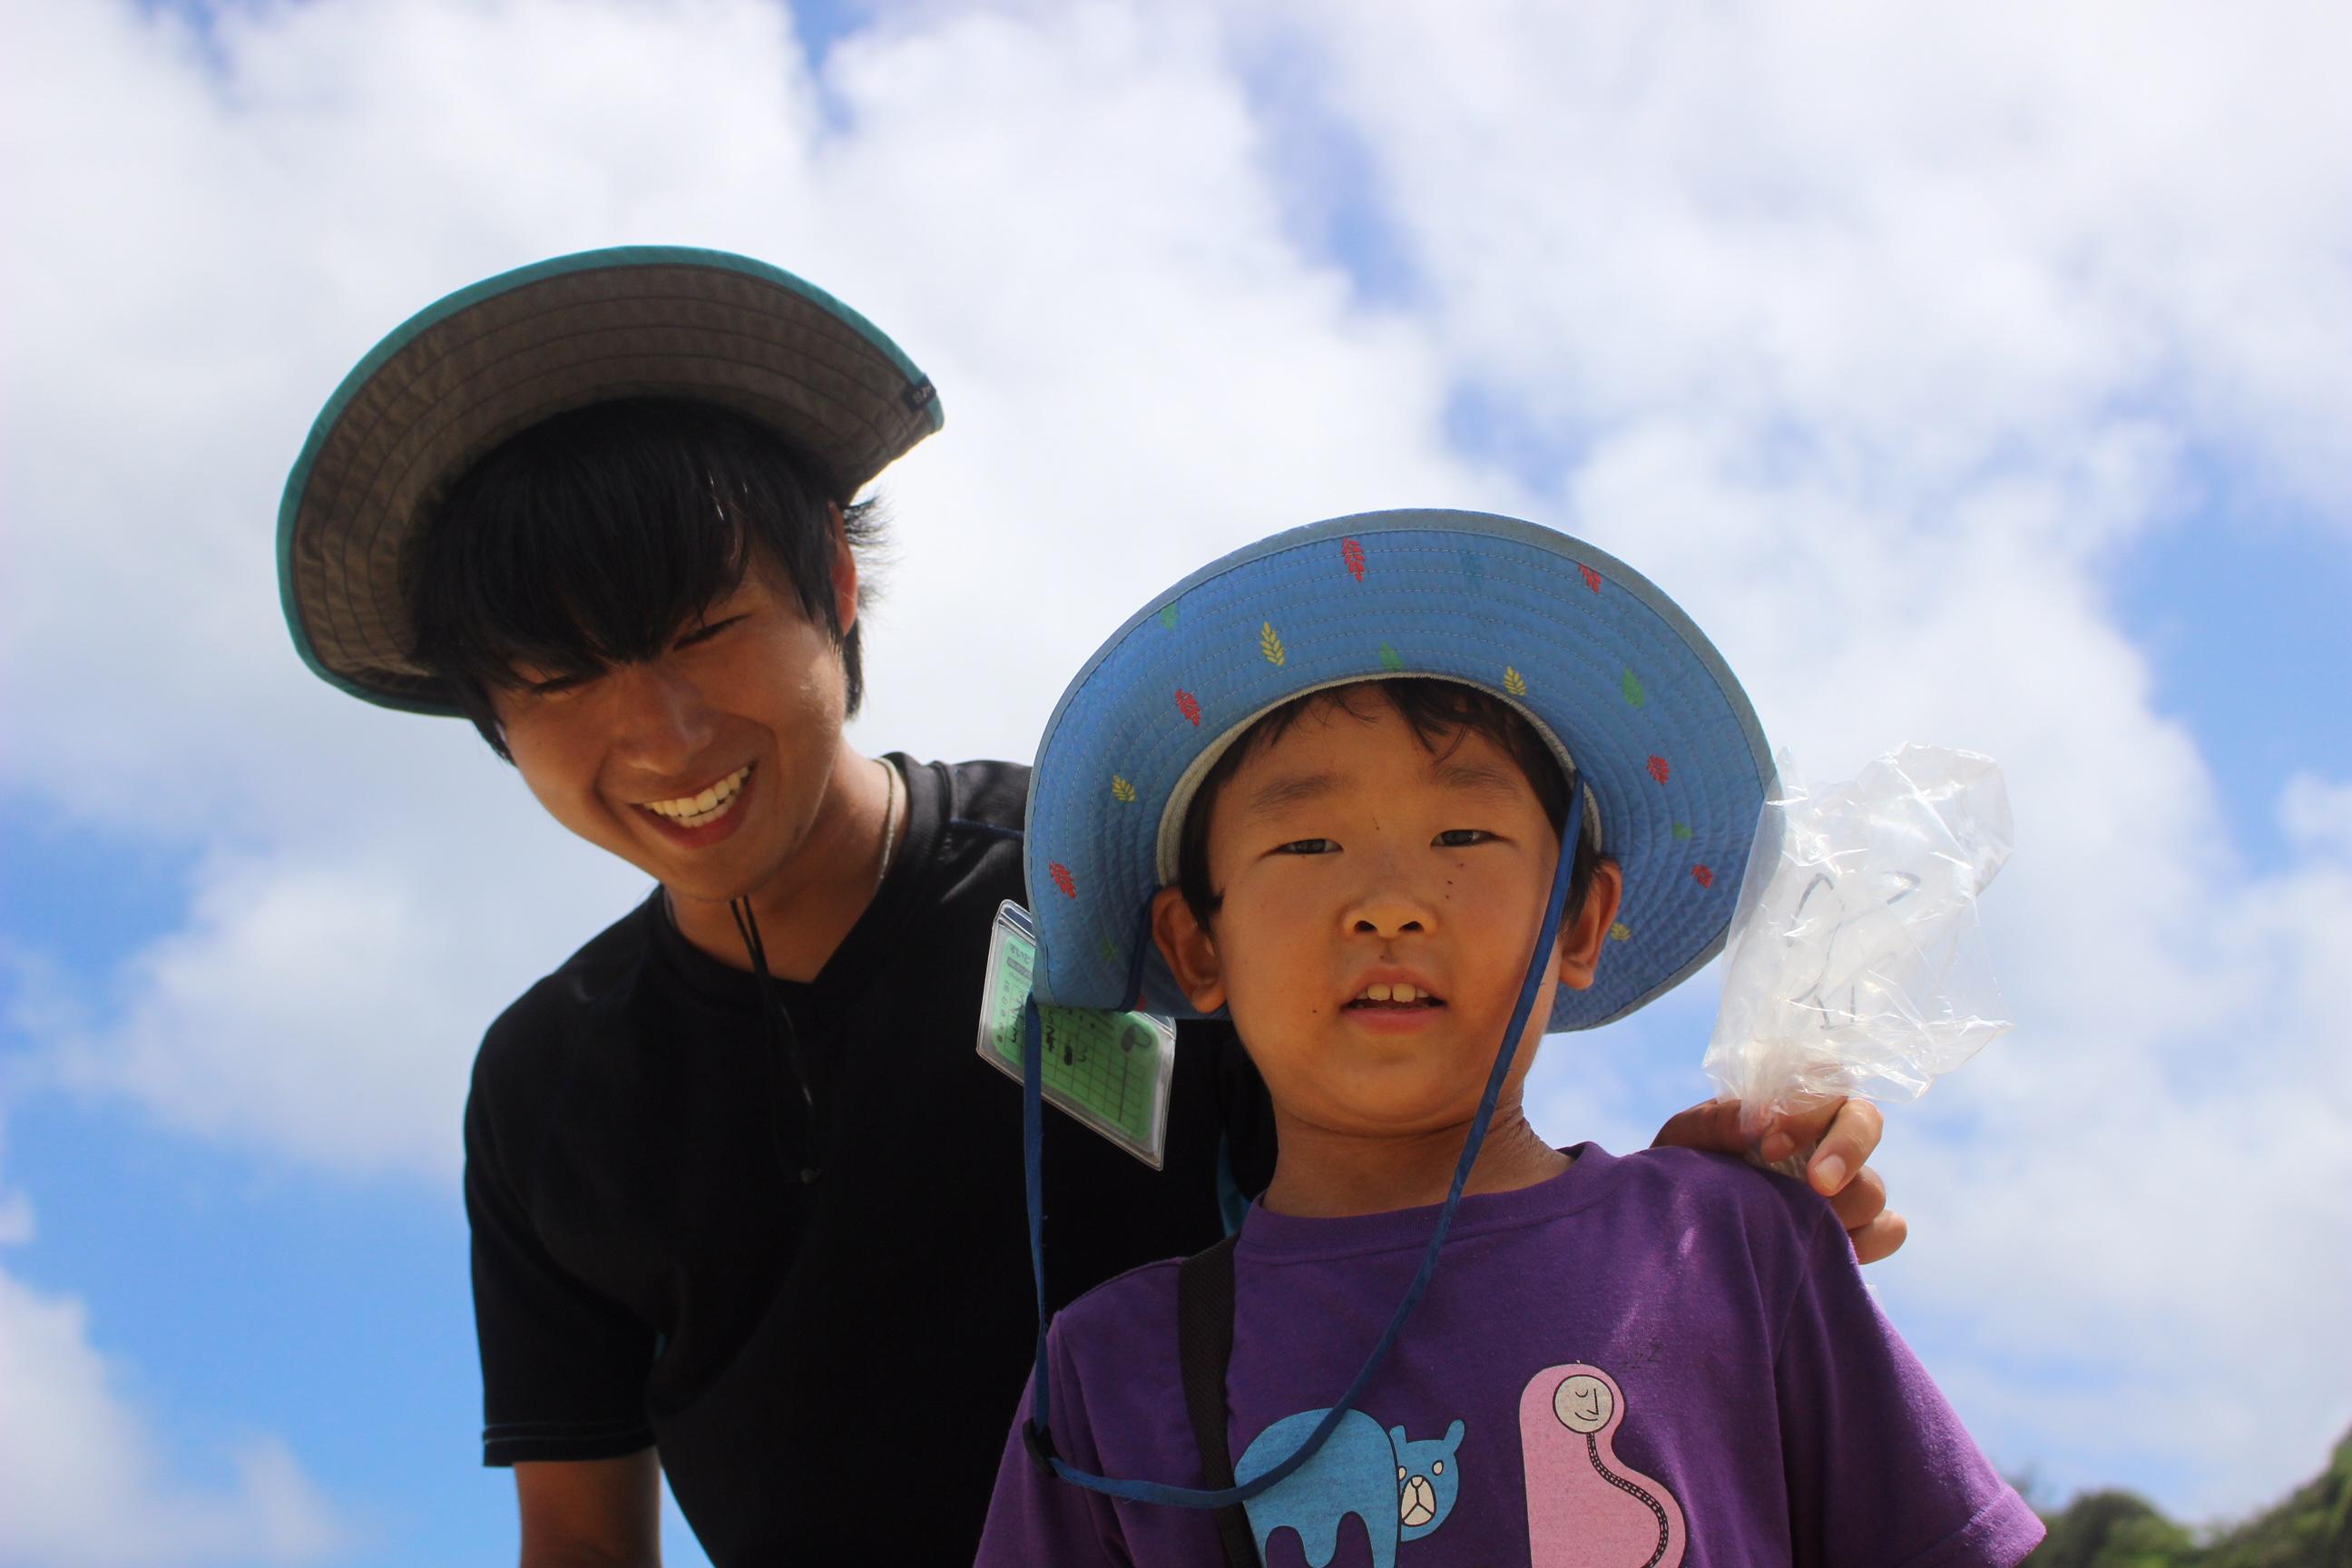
(591,538)
(1440,713)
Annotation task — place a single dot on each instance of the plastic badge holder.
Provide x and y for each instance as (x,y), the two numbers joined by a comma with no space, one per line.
(1854,965)
(1110,1070)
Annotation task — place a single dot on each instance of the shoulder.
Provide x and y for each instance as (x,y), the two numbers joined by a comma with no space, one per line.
(1117,1315)
(1753,1238)
(530,1042)
(996,794)
(1716,1193)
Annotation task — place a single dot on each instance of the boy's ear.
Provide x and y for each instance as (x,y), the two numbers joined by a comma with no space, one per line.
(844,570)
(1190,952)
(1581,938)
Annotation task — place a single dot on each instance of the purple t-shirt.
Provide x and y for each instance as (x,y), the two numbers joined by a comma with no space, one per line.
(1645,1363)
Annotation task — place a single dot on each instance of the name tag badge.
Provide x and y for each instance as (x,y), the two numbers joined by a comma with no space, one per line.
(1109,1070)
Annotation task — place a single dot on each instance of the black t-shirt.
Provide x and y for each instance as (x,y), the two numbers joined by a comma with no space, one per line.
(819,1309)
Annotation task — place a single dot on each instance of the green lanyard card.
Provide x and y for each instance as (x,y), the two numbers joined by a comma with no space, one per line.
(1109,1070)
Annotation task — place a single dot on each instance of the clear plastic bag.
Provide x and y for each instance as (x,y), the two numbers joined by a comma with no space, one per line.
(1854,965)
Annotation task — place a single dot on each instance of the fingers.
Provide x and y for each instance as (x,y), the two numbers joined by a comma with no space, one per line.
(1711,1125)
(1860,1201)
(1879,1238)
(1853,1130)
(1798,1130)
(1861,1208)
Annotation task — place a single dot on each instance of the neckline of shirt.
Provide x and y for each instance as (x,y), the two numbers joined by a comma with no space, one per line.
(1270,1238)
(868,945)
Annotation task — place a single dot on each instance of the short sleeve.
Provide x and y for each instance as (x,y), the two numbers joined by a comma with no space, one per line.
(1879,1468)
(563,1368)
(1034,1516)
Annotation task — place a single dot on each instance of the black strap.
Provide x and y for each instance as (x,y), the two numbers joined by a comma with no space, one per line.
(1204,1349)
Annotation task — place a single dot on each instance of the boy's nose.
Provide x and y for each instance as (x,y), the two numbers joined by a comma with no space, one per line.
(1389,905)
(661,722)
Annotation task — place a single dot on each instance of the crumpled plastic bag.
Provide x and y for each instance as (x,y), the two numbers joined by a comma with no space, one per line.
(1854,965)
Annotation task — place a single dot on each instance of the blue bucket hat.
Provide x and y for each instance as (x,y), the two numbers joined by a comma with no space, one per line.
(493,359)
(1633,698)
(1666,765)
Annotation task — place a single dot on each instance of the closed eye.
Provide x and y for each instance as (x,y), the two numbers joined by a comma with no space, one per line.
(554,684)
(705,633)
(1461,838)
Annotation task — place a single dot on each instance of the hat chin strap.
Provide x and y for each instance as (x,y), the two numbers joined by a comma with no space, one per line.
(1037,1433)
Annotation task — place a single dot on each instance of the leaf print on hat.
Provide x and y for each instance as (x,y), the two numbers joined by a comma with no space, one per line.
(1352,554)
(1621,932)
(1110,950)
(1271,645)
(1167,616)
(1062,879)
(1658,769)
(1703,876)
(1632,688)
(1390,660)
(1683,831)
(1514,682)
(1591,578)
(1189,705)
(1121,791)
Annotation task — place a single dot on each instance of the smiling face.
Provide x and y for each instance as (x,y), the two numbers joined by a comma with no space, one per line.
(1379,897)
(705,765)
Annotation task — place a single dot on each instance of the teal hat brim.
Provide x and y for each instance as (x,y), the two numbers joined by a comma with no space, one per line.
(490,360)
(1608,668)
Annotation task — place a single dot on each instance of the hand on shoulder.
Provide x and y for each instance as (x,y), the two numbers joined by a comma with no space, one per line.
(1841,1134)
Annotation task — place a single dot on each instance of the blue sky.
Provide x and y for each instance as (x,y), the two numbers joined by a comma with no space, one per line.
(1981,349)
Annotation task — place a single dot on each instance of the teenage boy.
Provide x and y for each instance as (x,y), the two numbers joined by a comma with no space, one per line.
(1364,770)
(733,1169)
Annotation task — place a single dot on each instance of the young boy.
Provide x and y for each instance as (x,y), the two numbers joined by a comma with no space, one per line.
(1325,779)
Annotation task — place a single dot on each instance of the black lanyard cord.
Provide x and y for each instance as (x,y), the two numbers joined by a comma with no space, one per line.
(783,1042)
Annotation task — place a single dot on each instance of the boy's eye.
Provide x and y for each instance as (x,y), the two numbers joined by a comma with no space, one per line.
(550,685)
(1462,837)
(1308,846)
(703,634)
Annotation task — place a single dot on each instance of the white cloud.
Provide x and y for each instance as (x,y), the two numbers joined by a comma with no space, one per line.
(1872,337)
(326,1007)
(85,1484)
(2316,814)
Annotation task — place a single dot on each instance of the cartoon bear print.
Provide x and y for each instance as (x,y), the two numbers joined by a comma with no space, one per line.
(1400,1487)
(1585,1508)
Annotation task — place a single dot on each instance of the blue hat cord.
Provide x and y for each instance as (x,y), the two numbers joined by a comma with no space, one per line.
(1038,1431)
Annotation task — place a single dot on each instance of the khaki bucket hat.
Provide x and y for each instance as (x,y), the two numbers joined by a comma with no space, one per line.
(473,369)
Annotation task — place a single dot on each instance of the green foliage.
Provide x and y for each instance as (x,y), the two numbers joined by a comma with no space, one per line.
(2113,1530)
(2312,1529)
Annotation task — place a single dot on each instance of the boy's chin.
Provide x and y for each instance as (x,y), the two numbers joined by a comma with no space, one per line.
(1393,1110)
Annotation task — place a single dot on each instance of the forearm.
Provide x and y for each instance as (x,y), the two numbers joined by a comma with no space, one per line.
(596,1514)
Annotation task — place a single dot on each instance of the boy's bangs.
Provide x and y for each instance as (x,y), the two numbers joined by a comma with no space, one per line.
(567,584)
(595,537)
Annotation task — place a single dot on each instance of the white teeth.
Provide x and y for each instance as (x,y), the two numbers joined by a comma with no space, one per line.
(1398,991)
(695,810)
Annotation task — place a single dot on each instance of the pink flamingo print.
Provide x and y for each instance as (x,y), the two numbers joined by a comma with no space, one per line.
(1585,1508)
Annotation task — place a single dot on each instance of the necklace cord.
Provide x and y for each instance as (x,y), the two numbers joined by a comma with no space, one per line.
(775,1020)
(783,1041)
(889,818)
